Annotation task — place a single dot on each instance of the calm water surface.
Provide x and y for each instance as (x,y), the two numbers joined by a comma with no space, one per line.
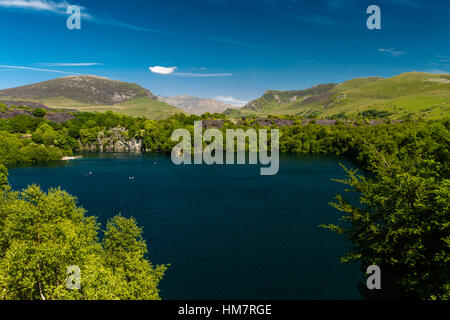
(227,232)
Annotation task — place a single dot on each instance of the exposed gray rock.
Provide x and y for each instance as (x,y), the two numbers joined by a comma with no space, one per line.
(115,140)
(14,111)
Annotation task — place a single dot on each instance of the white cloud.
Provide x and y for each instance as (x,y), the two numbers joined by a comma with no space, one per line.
(171,71)
(232,101)
(39,5)
(162,70)
(37,69)
(392,51)
(202,75)
(70,64)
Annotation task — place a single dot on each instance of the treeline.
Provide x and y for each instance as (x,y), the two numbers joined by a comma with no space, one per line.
(27,139)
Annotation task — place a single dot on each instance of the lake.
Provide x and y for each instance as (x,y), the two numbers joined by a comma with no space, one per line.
(227,232)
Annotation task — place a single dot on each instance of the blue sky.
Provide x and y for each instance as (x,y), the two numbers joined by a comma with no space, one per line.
(222,48)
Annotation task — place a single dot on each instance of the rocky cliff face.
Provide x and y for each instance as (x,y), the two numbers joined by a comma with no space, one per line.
(275,97)
(114,140)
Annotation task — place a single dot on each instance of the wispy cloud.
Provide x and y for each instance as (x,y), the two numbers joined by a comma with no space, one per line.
(72,64)
(131,26)
(406,2)
(240,43)
(172,71)
(233,101)
(443,59)
(437,71)
(202,75)
(56,7)
(60,7)
(37,5)
(392,52)
(311,18)
(37,69)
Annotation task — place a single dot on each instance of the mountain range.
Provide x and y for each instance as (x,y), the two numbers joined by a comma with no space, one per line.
(425,95)
(415,94)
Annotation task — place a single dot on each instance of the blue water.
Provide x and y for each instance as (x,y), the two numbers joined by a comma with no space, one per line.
(227,232)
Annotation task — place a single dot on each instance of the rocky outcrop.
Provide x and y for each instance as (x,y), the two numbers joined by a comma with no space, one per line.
(16,108)
(275,97)
(115,140)
(271,122)
(218,124)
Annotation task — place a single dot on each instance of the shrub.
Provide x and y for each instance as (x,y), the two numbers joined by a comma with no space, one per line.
(39,112)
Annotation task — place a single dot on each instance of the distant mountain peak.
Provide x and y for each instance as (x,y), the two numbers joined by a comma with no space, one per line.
(195,105)
(92,93)
(86,89)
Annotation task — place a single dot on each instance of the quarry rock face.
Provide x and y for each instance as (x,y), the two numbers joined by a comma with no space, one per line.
(115,140)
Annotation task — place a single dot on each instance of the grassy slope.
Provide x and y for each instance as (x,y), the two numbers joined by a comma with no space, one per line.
(84,89)
(426,95)
(137,107)
(92,94)
(141,107)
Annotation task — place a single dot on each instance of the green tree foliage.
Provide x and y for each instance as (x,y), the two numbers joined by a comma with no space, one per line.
(39,112)
(401,223)
(3,178)
(21,124)
(42,234)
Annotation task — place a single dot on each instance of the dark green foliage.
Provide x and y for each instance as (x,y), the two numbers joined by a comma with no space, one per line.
(21,124)
(39,112)
(374,114)
(402,224)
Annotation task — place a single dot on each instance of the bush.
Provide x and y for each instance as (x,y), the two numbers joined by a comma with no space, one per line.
(39,112)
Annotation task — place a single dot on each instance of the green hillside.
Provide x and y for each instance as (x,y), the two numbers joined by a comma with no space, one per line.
(417,94)
(91,93)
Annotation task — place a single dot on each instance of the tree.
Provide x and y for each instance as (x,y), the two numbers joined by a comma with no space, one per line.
(42,234)
(3,178)
(39,112)
(125,252)
(401,224)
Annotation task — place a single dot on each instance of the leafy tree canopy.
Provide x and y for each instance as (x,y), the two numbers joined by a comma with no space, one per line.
(43,234)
